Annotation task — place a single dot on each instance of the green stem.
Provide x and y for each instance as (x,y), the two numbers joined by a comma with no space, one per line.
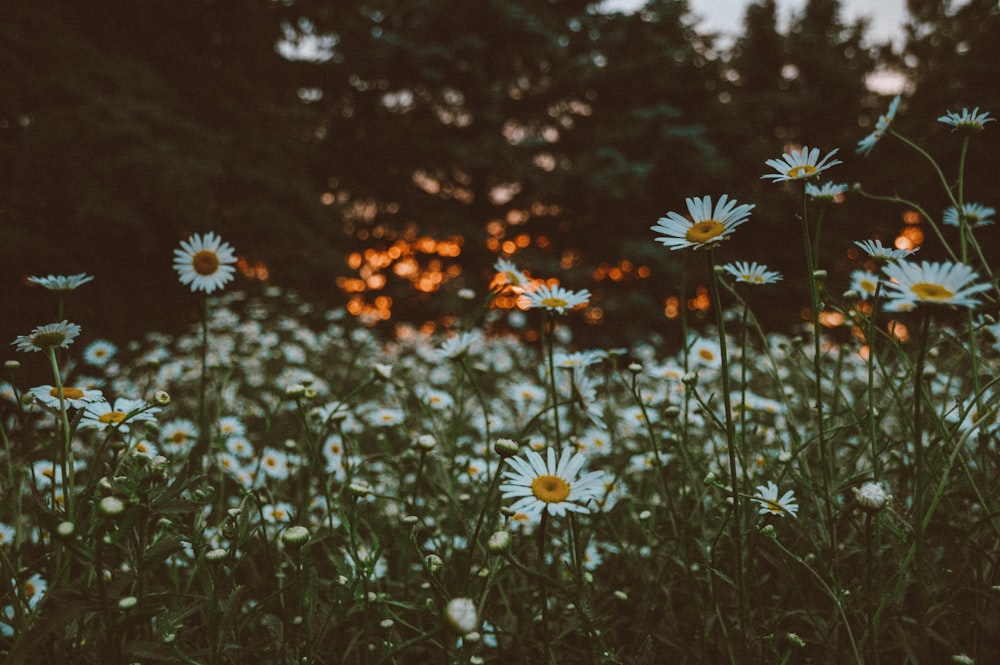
(548,329)
(734,483)
(919,525)
(66,460)
(818,372)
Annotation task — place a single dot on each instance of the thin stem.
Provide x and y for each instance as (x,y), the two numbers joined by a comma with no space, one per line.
(543,587)
(919,525)
(734,484)
(548,329)
(66,460)
(934,165)
(818,372)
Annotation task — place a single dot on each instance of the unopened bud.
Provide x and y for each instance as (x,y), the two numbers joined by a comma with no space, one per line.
(426,442)
(295,536)
(506,447)
(499,542)
(111,506)
(461,614)
(161,397)
(433,562)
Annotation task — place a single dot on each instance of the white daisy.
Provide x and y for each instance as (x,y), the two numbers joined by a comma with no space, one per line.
(52,335)
(547,485)
(460,344)
(205,262)
(864,283)
(828,192)
(752,273)
(61,283)
(974,213)
(555,298)
(930,283)
(511,273)
(103,415)
(882,125)
(799,165)
(178,436)
(77,398)
(767,497)
(874,249)
(99,352)
(230,426)
(706,226)
(967,120)
(706,353)
(274,463)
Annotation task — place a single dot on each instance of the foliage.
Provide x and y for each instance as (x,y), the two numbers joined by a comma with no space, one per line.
(284,485)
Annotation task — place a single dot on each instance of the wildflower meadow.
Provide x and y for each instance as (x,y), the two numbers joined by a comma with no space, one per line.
(281,484)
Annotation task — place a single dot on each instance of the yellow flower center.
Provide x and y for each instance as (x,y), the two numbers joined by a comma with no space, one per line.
(29,590)
(68,392)
(205,262)
(774,507)
(928,291)
(705,354)
(704,231)
(868,286)
(803,171)
(514,279)
(550,489)
(179,437)
(112,417)
(555,303)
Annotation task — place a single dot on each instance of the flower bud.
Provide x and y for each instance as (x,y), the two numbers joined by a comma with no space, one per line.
(506,447)
(499,542)
(111,506)
(360,488)
(295,536)
(217,555)
(461,614)
(161,397)
(871,496)
(426,442)
(433,562)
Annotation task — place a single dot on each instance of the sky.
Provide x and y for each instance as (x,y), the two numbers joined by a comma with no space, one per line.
(887,16)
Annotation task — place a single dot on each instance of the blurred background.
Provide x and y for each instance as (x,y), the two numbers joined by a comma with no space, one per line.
(380,155)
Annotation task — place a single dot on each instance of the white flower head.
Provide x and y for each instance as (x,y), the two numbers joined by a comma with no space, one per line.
(205,262)
(555,298)
(49,336)
(511,273)
(550,485)
(945,283)
(975,215)
(752,273)
(882,126)
(829,191)
(706,226)
(61,283)
(800,165)
(970,121)
(767,497)
(874,249)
